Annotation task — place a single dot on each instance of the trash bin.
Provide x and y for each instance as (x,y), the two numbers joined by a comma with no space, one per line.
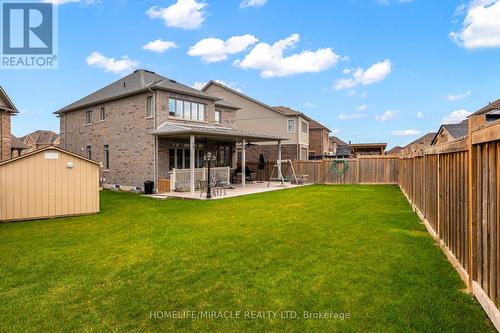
(148,187)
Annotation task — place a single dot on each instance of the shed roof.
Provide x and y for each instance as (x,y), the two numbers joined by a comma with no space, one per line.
(45,149)
(139,81)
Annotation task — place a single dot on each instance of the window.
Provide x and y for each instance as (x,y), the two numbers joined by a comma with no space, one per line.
(291,125)
(149,106)
(103,114)
(218,117)
(171,106)
(185,109)
(88,117)
(106,157)
(89,152)
(303,154)
(304,127)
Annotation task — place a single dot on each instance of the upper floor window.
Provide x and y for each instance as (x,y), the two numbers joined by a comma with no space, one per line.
(105,157)
(149,106)
(291,125)
(103,113)
(89,152)
(88,117)
(218,117)
(186,110)
(304,127)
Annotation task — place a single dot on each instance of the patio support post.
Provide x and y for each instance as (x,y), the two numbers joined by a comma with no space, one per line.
(280,175)
(191,163)
(243,164)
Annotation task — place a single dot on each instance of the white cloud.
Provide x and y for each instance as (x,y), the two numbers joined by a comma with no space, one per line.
(374,74)
(252,3)
(456,116)
(159,46)
(362,107)
(407,132)
(420,115)
(62,2)
(214,49)
(199,85)
(309,105)
(123,65)
(387,115)
(352,116)
(456,97)
(184,14)
(269,59)
(481,26)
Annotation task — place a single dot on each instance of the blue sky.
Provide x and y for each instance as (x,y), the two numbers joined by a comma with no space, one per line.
(371,70)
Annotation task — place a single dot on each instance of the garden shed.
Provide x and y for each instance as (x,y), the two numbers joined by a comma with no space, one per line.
(50,182)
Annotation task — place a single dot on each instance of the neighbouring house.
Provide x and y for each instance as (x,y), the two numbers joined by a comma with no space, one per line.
(49,182)
(451,132)
(7,110)
(417,146)
(279,121)
(41,139)
(17,147)
(319,143)
(368,149)
(146,127)
(394,151)
(339,148)
(489,113)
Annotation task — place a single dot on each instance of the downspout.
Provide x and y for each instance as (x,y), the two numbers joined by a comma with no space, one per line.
(155,158)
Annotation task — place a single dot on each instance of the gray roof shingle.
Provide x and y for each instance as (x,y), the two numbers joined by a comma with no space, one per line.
(139,81)
(172,129)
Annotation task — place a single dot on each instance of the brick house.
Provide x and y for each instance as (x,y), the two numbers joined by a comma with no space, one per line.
(40,139)
(417,146)
(319,139)
(9,145)
(451,132)
(144,125)
(280,121)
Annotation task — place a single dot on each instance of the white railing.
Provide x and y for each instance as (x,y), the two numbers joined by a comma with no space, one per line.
(180,179)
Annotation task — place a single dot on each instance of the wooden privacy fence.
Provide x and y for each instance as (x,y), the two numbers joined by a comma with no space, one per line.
(362,170)
(455,189)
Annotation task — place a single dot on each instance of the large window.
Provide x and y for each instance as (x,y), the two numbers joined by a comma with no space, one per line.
(218,117)
(88,117)
(106,157)
(291,125)
(89,152)
(185,109)
(304,127)
(103,113)
(149,106)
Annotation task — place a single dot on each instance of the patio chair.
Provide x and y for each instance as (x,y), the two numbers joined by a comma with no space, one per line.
(204,188)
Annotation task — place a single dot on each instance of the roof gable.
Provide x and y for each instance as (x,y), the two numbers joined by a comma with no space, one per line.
(6,103)
(41,137)
(490,107)
(45,149)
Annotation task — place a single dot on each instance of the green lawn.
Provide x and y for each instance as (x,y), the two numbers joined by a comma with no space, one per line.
(358,250)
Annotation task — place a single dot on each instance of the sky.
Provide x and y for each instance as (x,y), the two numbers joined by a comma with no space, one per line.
(370,70)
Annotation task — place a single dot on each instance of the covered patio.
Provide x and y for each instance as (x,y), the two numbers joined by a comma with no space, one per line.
(182,150)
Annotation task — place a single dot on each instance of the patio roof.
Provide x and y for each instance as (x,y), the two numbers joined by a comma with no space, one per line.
(177,129)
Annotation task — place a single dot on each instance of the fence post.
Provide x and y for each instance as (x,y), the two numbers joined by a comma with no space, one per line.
(357,169)
(470,206)
(438,222)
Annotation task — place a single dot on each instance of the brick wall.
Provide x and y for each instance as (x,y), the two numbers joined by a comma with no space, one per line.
(5,136)
(318,141)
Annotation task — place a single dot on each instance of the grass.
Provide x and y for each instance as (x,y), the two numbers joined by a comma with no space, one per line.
(343,249)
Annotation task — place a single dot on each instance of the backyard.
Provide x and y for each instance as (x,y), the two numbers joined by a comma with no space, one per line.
(358,252)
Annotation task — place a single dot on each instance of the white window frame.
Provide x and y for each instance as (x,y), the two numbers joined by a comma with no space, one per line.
(290,121)
(105,157)
(302,127)
(218,121)
(149,107)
